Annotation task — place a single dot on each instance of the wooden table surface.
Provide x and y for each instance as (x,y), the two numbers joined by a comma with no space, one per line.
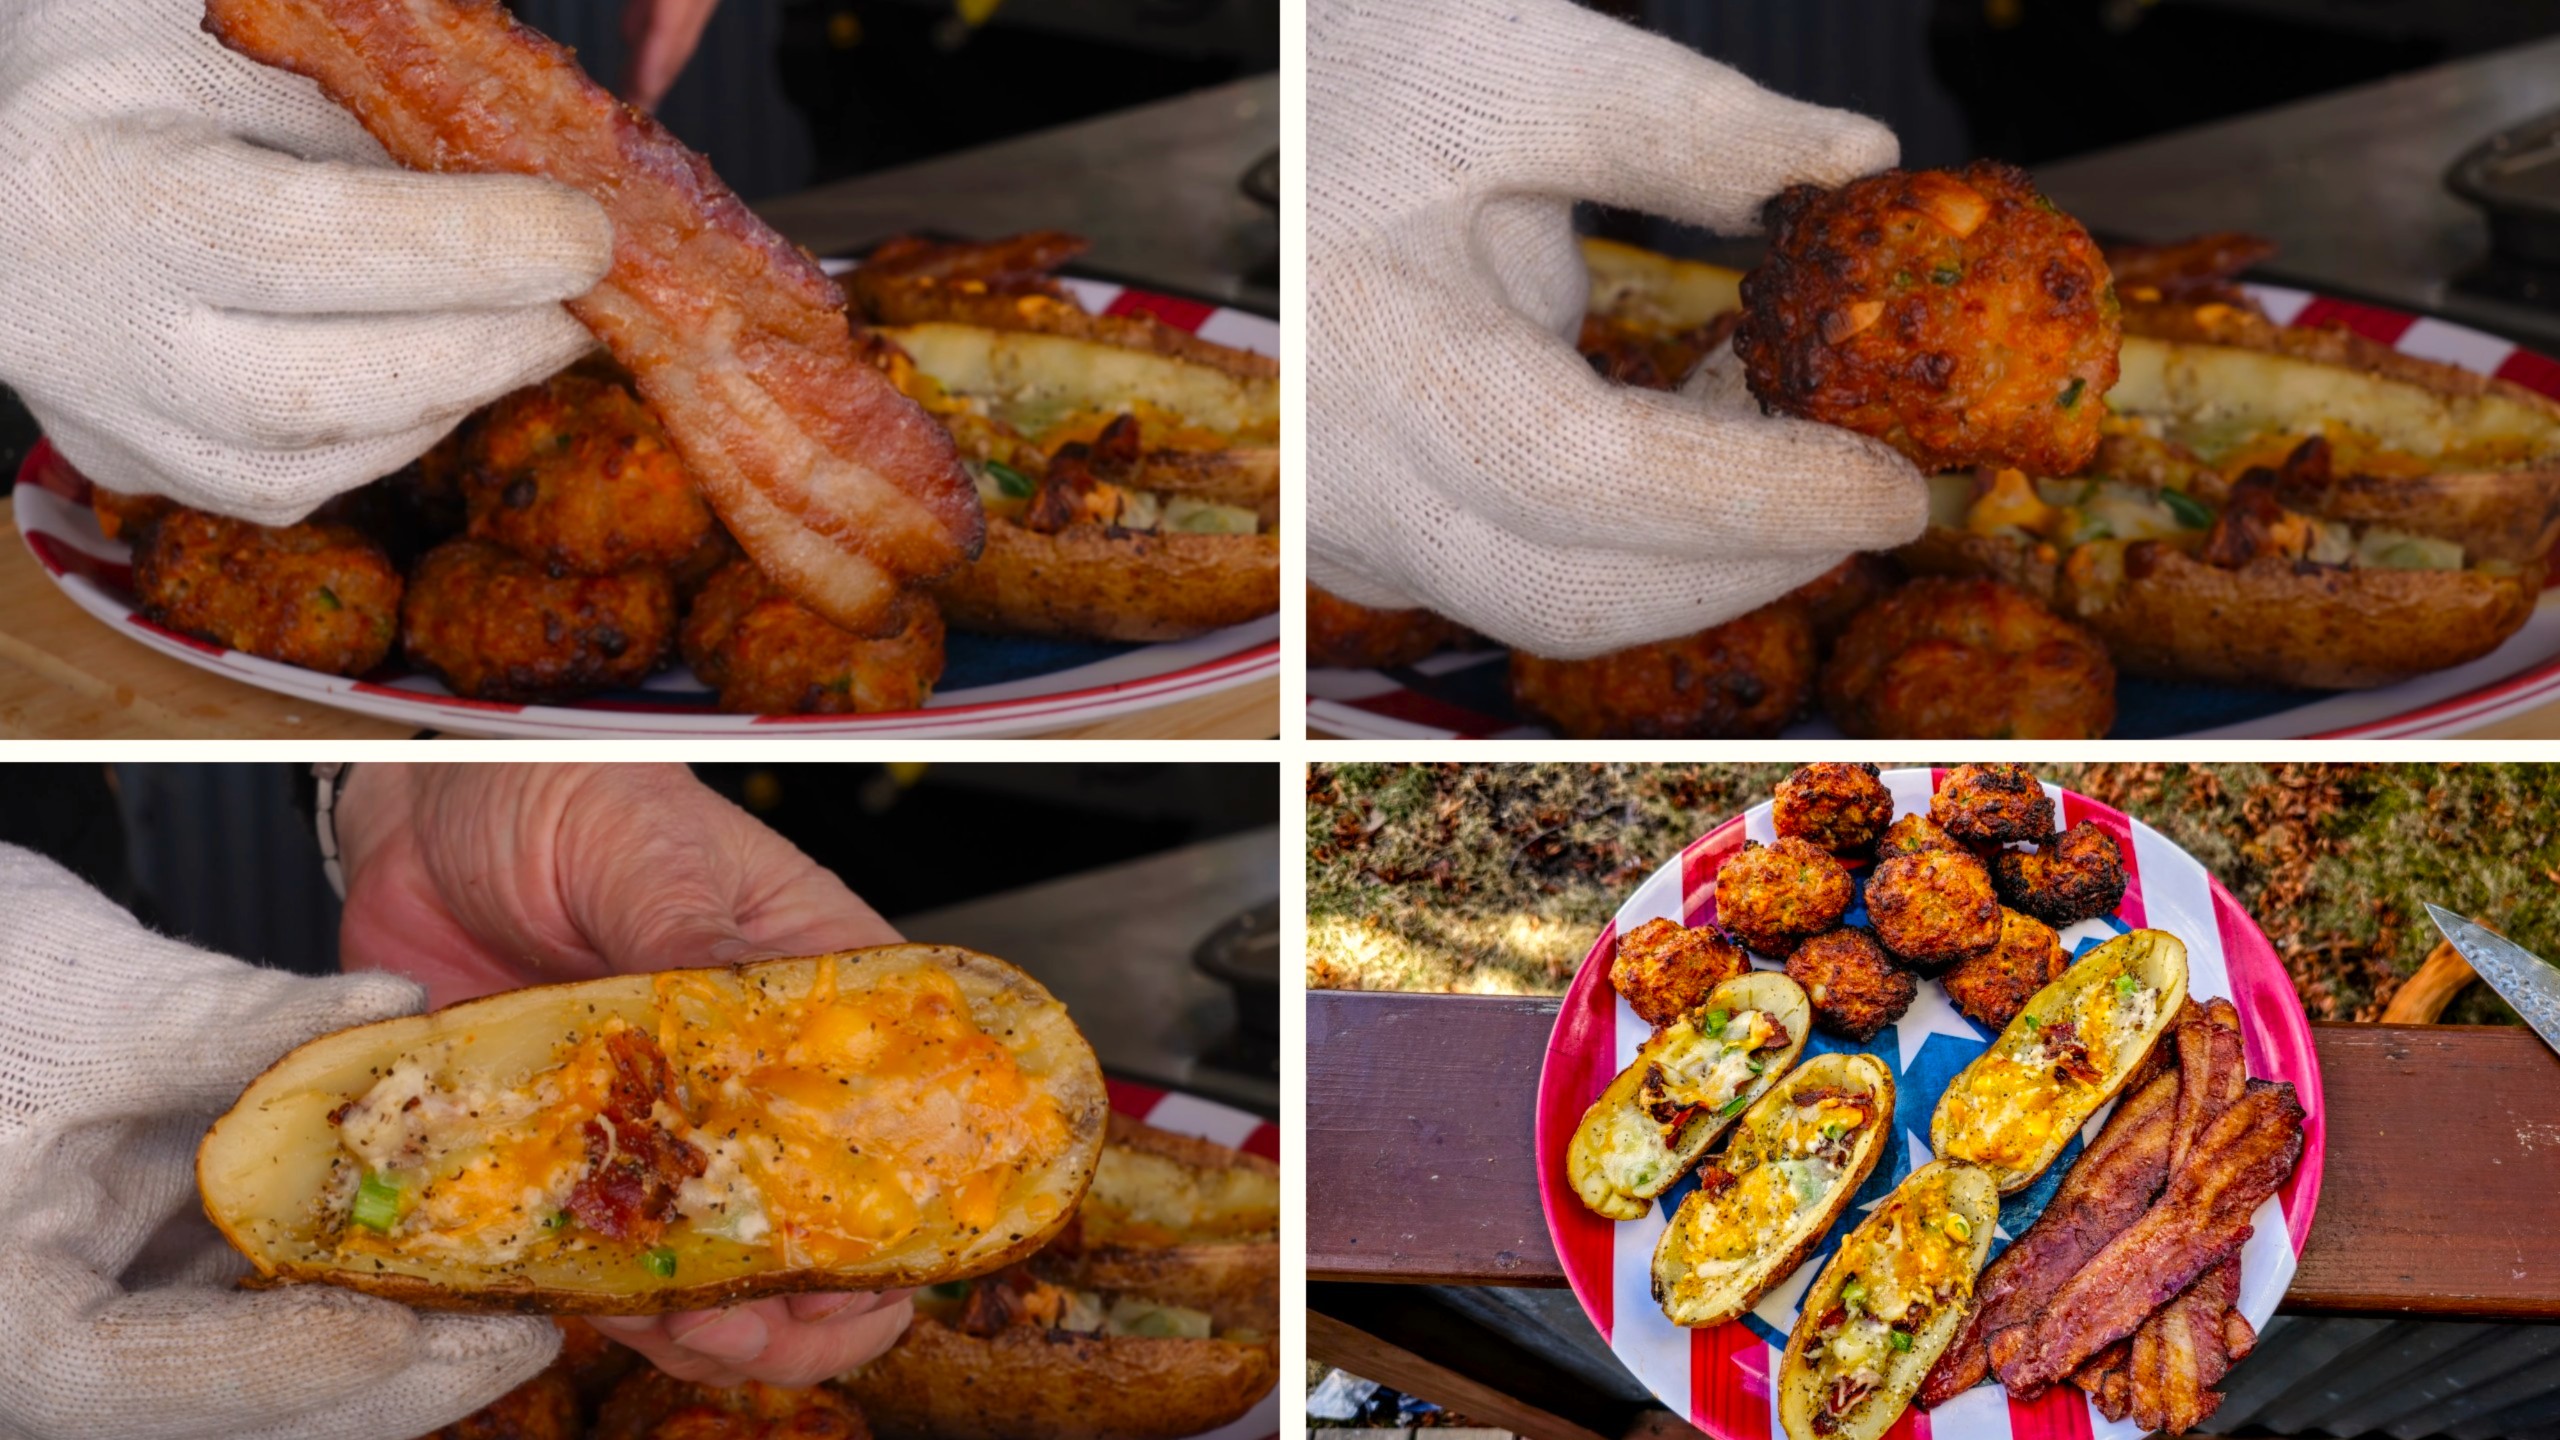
(65,675)
(2437,1197)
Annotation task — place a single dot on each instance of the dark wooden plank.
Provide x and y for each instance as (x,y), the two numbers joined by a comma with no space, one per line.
(2436,1198)
(1400,1338)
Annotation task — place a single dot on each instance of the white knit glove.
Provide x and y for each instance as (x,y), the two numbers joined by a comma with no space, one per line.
(215,286)
(117,1317)
(1462,456)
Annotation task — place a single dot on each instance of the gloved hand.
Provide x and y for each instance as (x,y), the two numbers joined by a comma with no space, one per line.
(118,1047)
(1463,457)
(219,288)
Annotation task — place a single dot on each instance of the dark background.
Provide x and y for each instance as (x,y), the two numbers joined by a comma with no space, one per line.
(225,856)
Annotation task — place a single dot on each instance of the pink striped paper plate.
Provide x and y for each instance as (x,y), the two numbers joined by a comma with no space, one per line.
(992,685)
(1463,694)
(1208,1120)
(1720,1377)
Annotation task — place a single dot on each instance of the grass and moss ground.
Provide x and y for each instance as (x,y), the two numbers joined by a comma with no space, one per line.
(1493,878)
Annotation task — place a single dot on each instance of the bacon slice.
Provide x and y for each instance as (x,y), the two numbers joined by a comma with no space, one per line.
(2213,1072)
(2202,1219)
(2114,1181)
(842,489)
(2180,1354)
(635,1165)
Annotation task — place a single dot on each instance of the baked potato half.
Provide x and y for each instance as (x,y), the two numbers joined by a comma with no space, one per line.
(643,1144)
(2069,1051)
(2278,506)
(1797,1158)
(1891,1298)
(1177,1219)
(941,1383)
(1684,1088)
(1131,494)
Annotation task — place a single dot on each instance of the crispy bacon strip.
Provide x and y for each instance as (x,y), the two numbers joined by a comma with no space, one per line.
(634,1164)
(2202,1218)
(841,488)
(2213,1073)
(2180,1354)
(2111,1185)
(2106,1380)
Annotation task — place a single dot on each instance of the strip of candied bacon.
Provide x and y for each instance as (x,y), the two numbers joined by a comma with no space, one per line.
(842,489)
(2202,1218)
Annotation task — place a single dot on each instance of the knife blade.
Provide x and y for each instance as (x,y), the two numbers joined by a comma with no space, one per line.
(2521,978)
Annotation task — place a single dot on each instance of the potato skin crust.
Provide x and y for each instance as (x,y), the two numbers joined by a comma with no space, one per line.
(2067,878)
(1968,659)
(768,654)
(1992,804)
(1772,896)
(1995,985)
(1099,582)
(1955,315)
(1664,968)
(1838,805)
(320,594)
(496,626)
(1933,908)
(1744,679)
(1355,637)
(1855,987)
(940,1384)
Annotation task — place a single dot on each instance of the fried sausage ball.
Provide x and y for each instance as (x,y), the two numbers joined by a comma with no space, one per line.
(578,474)
(1933,908)
(1912,834)
(1968,659)
(2074,876)
(1995,985)
(1833,598)
(1992,805)
(1665,969)
(653,1405)
(125,517)
(768,654)
(320,594)
(496,626)
(1745,679)
(1855,987)
(1956,316)
(1839,806)
(542,1408)
(1356,637)
(1771,896)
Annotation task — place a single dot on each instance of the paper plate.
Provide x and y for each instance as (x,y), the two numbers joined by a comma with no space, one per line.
(1467,694)
(1208,1120)
(1720,1377)
(991,685)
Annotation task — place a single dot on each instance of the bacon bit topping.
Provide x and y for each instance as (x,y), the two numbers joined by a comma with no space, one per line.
(1848,1390)
(1008,1298)
(634,1164)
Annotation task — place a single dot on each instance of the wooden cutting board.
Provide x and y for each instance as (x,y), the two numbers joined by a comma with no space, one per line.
(64,675)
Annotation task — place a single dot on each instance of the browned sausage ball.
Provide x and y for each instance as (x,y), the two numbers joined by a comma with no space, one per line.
(1837,805)
(1933,908)
(1855,987)
(653,1405)
(1995,985)
(496,626)
(1356,637)
(319,594)
(1771,896)
(768,654)
(1834,597)
(1956,316)
(2077,875)
(576,473)
(1965,659)
(542,1408)
(1912,834)
(124,517)
(1745,679)
(1992,805)
(1664,969)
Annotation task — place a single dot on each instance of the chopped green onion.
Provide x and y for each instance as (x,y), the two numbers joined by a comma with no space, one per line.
(377,1206)
(2192,513)
(1854,1294)
(1012,482)
(1716,1019)
(555,1220)
(2032,1023)
(2071,392)
(1757,1066)
(1733,1107)
(661,1262)
(2126,985)
(1947,274)
(1901,1340)
(1834,1130)
(329,599)
(1959,1227)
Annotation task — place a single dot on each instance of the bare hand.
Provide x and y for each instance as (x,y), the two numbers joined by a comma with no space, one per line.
(663,35)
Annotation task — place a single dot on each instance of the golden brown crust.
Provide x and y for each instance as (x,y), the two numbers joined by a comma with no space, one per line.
(1993,804)
(577,474)
(496,626)
(1772,896)
(1933,907)
(1912,834)
(1995,985)
(1968,659)
(2074,876)
(1855,987)
(321,594)
(1955,315)
(655,1406)
(1839,805)
(1744,679)
(1664,969)
(1355,637)
(939,1384)
(768,654)
(1103,583)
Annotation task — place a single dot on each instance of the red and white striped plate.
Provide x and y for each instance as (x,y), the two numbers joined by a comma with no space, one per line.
(53,515)
(1208,1120)
(1441,698)
(1720,1378)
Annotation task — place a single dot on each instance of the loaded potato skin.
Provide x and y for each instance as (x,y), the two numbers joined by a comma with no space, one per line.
(1772,896)
(1664,969)
(1955,315)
